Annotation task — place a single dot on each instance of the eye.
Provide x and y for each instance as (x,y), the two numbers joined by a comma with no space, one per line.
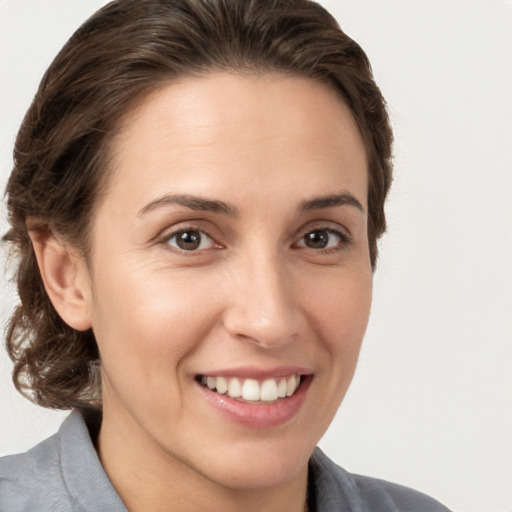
(322,239)
(190,240)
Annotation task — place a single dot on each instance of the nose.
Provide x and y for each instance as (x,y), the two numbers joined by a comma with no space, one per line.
(262,307)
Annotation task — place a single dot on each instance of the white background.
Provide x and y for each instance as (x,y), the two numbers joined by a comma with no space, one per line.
(431,404)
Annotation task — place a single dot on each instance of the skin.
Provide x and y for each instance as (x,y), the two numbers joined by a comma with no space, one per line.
(253,295)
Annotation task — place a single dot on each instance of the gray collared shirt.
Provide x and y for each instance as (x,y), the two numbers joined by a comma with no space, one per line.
(64,474)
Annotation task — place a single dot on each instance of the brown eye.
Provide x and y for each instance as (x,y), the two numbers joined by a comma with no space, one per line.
(321,239)
(190,240)
(317,239)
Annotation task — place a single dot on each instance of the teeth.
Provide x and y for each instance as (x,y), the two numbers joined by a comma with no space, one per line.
(291,386)
(211,382)
(282,388)
(234,388)
(221,385)
(251,390)
(269,391)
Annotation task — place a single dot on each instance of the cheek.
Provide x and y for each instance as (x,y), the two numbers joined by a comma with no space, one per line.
(341,309)
(147,318)
(338,313)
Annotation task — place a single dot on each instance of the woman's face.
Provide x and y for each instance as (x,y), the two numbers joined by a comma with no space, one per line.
(230,251)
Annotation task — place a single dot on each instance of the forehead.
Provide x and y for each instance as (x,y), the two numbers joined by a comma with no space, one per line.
(236,128)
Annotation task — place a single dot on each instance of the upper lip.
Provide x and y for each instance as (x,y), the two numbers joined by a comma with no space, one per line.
(251,372)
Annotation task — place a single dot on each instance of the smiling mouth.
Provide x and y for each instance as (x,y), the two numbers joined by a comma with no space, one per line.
(251,390)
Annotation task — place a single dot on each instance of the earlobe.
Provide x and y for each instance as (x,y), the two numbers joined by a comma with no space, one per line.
(64,277)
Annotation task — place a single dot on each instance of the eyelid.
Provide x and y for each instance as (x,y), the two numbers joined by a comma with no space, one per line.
(166,235)
(319,225)
(343,234)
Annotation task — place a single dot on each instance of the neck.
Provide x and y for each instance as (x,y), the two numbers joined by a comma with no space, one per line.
(148,478)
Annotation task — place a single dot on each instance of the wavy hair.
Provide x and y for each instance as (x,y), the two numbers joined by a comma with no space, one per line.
(118,56)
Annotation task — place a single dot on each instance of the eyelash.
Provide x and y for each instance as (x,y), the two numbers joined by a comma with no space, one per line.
(343,240)
(166,239)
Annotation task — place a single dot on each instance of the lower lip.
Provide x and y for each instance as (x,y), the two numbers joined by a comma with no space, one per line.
(258,415)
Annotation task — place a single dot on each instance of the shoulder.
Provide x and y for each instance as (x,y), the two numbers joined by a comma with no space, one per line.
(399,498)
(60,474)
(336,489)
(29,480)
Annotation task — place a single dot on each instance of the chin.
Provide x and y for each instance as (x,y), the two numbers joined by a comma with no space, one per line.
(257,467)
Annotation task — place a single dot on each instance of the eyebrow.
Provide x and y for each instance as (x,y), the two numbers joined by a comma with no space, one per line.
(215,206)
(193,203)
(331,201)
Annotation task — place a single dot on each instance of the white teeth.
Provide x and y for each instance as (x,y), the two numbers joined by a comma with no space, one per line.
(252,390)
(222,385)
(269,391)
(211,382)
(282,388)
(234,388)
(292,386)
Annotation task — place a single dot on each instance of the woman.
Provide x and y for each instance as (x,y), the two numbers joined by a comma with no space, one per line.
(196,201)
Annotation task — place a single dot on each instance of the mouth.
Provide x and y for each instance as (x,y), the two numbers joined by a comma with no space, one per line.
(255,397)
(253,391)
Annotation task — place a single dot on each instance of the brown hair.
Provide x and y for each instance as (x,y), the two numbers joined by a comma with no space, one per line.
(124,51)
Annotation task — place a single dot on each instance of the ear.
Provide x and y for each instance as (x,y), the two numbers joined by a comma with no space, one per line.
(65,278)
